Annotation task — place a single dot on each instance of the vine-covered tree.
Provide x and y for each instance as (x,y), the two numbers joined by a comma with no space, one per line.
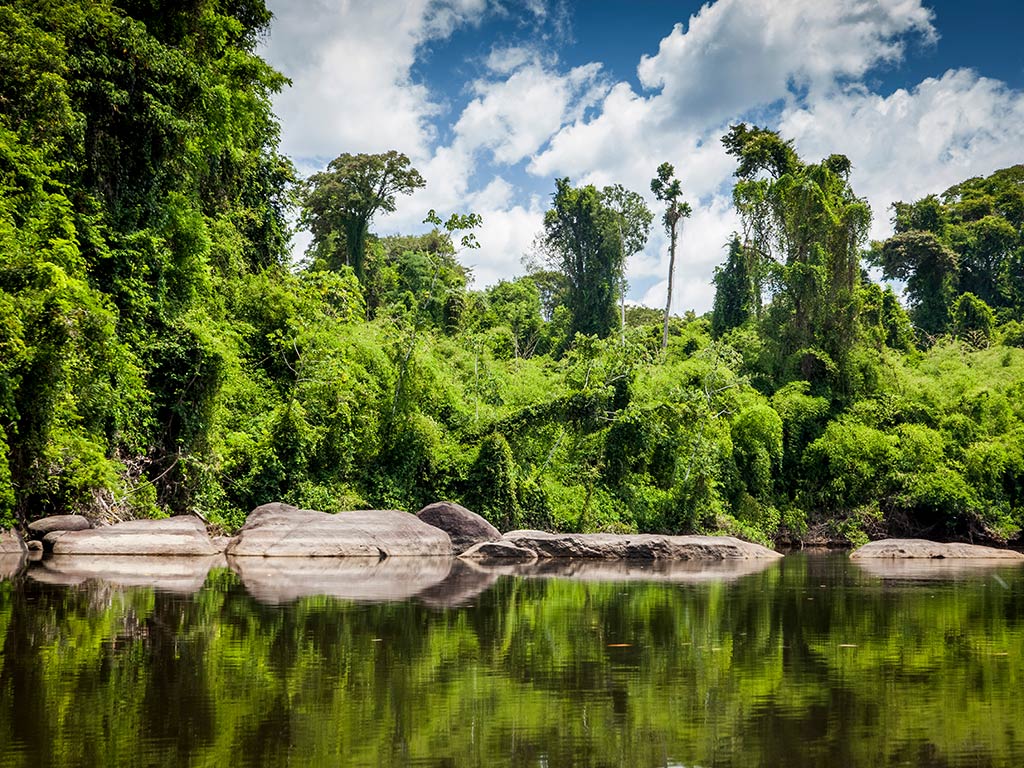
(633,222)
(805,218)
(581,236)
(735,291)
(339,203)
(968,240)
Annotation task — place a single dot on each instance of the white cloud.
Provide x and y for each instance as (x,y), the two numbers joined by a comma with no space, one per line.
(798,65)
(913,142)
(350,63)
(515,117)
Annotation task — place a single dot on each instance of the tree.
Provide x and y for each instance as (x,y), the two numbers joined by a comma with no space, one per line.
(735,291)
(581,237)
(805,220)
(930,270)
(668,190)
(339,203)
(633,220)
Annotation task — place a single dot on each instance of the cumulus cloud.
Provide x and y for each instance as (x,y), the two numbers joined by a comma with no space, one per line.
(913,142)
(350,63)
(801,66)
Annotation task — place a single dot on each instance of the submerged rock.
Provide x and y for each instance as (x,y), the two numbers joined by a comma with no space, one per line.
(900,549)
(183,535)
(605,546)
(463,526)
(39,528)
(281,530)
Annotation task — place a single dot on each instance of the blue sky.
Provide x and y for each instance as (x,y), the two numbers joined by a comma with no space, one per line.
(494,99)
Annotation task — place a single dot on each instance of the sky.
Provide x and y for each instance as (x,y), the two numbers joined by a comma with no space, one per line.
(494,99)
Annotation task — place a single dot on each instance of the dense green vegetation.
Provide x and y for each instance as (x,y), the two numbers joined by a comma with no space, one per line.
(160,353)
(772,669)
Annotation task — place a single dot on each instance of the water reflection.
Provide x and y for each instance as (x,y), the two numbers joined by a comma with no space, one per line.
(809,662)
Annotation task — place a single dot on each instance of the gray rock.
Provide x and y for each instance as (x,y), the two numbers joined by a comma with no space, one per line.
(281,530)
(499,552)
(180,575)
(37,529)
(464,527)
(34,546)
(11,543)
(606,546)
(905,549)
(183,535)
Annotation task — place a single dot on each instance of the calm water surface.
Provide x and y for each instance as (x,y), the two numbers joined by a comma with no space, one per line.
(811,661)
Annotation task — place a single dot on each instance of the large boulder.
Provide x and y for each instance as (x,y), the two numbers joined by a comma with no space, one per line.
(464,527)
(281,530)
(606,546)
(37,529)
(906,549)
(11,543)
(184,535)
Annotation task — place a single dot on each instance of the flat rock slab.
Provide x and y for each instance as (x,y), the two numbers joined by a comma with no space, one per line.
(11,543)
(606,546)
(909,549)
(280,530)
(173,536)
(180,575)
(463,526)
(278,580)
(39,528)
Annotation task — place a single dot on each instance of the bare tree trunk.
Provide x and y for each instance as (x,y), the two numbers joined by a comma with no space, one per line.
(622,288)
(671,274)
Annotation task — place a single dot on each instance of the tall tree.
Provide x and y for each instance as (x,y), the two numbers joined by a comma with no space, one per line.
(339,203)
(633,220)
(734,290)
(806,220)
(582,239)
(669,190)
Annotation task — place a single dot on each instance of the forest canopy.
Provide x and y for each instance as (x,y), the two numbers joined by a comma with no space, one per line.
(162,353)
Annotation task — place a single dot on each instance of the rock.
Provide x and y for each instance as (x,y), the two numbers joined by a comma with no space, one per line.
(11,543)
(180,575)
(499,552)
(903,549)
(281,530)
(605,546)
(278,580)
(465,528)
(37,529)
(183,535)
(34,546)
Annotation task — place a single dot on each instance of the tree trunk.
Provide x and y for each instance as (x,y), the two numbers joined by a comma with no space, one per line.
(671,273)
